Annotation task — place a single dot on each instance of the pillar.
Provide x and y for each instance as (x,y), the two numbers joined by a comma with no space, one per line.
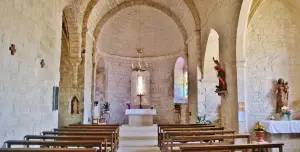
(193,57)
(241,90)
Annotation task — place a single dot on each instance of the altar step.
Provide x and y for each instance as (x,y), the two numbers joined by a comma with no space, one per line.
(138,139)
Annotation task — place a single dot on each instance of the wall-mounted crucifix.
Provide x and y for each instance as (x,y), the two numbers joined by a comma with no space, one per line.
(12,49)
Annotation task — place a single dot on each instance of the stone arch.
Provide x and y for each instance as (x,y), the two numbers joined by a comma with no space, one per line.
(127,4)
(209,101)
(74,36)
(195,13)
(242,29)
(87,13)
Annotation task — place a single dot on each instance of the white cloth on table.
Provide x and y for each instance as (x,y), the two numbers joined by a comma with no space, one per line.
(140,112)
(277,127)
(97,111)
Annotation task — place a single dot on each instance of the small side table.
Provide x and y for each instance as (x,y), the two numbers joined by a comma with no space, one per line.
(106,116)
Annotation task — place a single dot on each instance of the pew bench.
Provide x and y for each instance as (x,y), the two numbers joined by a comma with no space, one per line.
(110,135)
(48,150)
(79,143)
(253,147)
(108,141)
(165,135)
(161,127)
(203,140)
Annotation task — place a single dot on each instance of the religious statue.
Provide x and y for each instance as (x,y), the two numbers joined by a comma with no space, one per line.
(221,76)
(281,91)
(74,105)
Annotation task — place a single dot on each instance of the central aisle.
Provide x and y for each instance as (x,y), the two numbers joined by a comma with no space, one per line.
(138,139)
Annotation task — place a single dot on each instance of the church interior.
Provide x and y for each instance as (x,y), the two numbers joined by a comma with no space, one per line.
(149,75)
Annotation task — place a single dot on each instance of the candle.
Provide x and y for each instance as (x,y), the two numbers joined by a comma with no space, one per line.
(140,85)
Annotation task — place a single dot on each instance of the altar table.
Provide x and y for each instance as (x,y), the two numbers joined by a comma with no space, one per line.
(140,117)
(287,132)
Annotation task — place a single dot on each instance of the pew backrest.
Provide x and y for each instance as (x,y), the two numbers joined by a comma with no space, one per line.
(48,150)
(198,148)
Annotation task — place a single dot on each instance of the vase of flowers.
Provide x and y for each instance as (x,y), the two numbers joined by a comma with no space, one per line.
(177,108)
(106,107)
(259,130)
(128,105)
(286,113)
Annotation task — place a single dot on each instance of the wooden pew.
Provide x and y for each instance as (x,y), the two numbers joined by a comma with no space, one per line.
(209,139)
(117,127)
(94,125)
(110,135)
(108,141)
(191,133)
(80,129)
(162,126)
(47,150)
(78,143)
(199,148)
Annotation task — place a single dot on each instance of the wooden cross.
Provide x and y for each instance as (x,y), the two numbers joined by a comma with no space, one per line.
(12,49)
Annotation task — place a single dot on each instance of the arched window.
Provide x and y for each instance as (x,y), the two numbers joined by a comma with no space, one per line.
(180,81)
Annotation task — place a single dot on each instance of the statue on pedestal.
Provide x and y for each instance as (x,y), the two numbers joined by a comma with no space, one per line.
(221,76)
(281,91)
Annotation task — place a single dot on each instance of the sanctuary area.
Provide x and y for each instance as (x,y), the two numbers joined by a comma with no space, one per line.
(149,75)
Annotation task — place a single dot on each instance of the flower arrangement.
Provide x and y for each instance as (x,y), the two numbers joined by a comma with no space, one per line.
(259,130)
(106,107)
(259,127)
(128,105)
(285,111)
(177,107)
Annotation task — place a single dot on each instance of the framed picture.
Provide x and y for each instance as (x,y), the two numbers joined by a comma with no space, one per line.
(55,100)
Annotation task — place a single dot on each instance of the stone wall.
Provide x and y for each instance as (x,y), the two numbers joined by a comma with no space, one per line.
(118,76)
(25,87)
(100,88)
(272,53)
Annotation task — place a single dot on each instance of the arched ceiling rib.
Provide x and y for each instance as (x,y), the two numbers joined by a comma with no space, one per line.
(140,26)
(178,8)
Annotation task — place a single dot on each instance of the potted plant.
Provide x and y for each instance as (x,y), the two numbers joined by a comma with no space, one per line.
(106,107)
(286,113)
(177,107)
(259,129)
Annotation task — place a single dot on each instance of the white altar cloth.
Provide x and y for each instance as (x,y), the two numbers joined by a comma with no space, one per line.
(140,117)
(140,112)
(277,127)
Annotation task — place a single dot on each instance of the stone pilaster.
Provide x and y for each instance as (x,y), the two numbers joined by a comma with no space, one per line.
(193,64)
(75,62)
(229,103)
(241,94)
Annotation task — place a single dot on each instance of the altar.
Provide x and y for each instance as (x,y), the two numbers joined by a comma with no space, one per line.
(140,117)
(287,132)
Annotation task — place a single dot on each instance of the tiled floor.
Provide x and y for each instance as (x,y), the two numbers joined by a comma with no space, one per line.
(138,139)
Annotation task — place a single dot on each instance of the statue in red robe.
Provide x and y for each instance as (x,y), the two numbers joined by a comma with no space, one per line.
(221,76)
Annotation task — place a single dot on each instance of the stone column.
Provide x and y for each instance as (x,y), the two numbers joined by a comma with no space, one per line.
(229,103)
(241,92)
(75,62)
(193,63)
(93,85)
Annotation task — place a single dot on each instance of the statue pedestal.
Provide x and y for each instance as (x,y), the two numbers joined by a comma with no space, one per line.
(140,117)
